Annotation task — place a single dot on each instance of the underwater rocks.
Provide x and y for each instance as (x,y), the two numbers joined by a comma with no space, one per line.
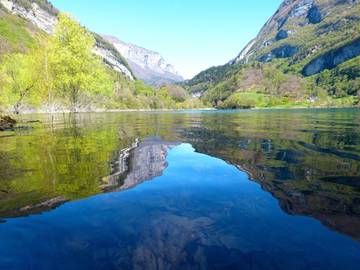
(7,123)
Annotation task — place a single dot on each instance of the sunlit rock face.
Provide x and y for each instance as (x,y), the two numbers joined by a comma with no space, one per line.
(113,62)
(140,162)
(332,58)
(304,26)
(147,65)
(41,18)
(47,21)
(289,11)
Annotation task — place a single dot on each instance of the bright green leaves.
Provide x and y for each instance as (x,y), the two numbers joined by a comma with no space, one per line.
(79,75)
(20,76)
(62,72)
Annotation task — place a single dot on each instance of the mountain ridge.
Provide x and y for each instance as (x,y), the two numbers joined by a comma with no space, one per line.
(147,65)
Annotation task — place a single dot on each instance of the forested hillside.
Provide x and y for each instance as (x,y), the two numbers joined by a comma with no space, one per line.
(307,54)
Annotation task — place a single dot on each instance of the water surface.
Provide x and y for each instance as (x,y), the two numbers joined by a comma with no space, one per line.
(276,189)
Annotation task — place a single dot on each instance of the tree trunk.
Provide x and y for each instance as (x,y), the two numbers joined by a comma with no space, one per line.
(74,99)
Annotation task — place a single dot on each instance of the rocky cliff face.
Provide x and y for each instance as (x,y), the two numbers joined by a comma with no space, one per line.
(290,11)
(147,65)
(33,13)
(332,58)
(45,18)
(304,30)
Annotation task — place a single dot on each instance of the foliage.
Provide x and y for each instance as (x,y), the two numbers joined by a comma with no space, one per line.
(177,93)
(61,72)
(341,81)
(259,78)
(142,89)
(20,76)
(78,73)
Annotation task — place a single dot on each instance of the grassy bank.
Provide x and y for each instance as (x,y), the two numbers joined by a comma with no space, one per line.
(260,100)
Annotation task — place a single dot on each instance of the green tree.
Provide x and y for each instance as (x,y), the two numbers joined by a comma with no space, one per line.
(79,76)
(177,93)
(142,89)
(20,77)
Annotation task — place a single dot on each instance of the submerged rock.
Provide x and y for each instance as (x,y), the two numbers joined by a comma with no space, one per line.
(7,123)
(36,208)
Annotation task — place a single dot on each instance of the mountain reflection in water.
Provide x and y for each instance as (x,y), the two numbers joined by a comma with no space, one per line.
(305,182)
(143,161)
(199,211)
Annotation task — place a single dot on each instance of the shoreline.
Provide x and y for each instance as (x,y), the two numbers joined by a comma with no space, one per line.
(106,111)
(176,110)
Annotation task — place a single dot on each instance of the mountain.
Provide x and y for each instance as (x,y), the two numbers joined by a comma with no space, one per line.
(147,65)
(42,14)
(308,30)
(308,52)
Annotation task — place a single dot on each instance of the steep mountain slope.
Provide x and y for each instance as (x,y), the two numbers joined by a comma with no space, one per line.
(42,14)
(304,29)
(16,34)
(147,65)
(314,43)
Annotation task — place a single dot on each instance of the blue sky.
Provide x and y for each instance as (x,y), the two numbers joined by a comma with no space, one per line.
(191,34)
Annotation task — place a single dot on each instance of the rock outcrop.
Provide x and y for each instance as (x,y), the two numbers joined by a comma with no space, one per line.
(147,65)
(289,21)
(282,34)
(274,30)
(41,18)
(7,123)
(332,58)
(283,51)
(314,15)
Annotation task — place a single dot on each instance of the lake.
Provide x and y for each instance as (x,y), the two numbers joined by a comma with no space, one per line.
(266,189)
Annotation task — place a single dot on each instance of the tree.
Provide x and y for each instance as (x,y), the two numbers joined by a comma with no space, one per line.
(20,76)
(79,75)
(142,89)
(177,92)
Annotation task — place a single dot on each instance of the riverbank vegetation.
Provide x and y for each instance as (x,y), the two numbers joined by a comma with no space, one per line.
(261,85)
(61,72)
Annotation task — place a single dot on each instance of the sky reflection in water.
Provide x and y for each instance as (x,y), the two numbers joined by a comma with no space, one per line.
(202,213)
